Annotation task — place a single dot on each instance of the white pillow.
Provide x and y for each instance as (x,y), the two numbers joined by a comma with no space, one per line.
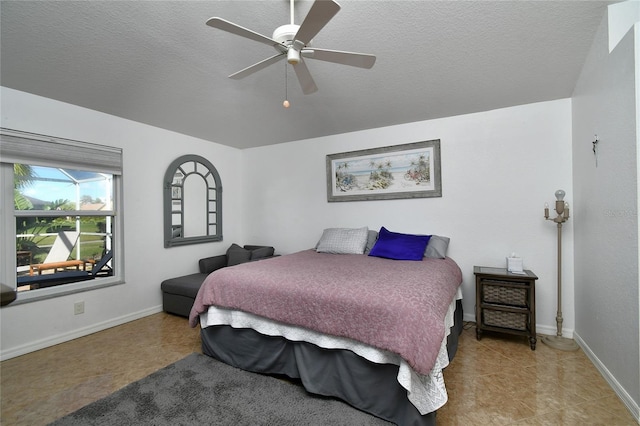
(343,240)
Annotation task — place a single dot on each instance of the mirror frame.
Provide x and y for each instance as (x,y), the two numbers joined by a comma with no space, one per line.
(178,166)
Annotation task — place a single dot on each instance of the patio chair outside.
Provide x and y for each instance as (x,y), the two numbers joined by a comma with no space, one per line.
(101,269)
(62,246)
(59,254)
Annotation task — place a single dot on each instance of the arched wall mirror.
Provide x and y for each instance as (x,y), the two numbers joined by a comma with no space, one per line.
(192,202)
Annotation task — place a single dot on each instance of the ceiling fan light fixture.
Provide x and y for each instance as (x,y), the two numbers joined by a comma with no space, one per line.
(293,56)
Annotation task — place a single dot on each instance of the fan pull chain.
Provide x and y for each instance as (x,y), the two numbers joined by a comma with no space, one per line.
(286,103)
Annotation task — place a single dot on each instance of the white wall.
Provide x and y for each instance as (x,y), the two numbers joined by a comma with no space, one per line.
(498,170)
(605,103)
(147,152)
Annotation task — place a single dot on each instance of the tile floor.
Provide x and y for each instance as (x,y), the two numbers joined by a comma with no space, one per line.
(495,381)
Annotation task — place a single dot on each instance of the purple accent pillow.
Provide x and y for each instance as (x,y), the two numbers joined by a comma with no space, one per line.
(394,245)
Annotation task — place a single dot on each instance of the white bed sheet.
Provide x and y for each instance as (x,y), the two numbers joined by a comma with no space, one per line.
(426,392)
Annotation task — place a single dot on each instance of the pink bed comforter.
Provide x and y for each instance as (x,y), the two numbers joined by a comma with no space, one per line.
(393,305)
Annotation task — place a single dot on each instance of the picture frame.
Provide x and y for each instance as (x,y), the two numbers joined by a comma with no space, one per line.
(411,170)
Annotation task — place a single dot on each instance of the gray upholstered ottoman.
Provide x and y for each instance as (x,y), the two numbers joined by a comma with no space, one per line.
(178,294)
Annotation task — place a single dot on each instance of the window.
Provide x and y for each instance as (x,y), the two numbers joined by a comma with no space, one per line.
(62,233)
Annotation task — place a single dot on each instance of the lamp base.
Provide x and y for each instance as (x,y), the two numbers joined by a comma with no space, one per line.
(560,343)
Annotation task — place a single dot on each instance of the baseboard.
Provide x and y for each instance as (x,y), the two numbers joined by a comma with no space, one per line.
(631,405)
(552,330)
(81,332)
(540,329)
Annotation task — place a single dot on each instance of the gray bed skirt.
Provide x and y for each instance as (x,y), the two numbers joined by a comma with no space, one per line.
(370,387)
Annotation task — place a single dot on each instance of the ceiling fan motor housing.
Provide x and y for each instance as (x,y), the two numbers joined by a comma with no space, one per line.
(285,34)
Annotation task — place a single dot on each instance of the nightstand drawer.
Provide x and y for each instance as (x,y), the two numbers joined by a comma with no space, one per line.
(510,320)
(495,292)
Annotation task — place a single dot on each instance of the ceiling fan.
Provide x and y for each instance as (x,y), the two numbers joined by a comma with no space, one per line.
(294,42)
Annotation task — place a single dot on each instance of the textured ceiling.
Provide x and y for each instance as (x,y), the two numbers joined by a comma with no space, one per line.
(156,62)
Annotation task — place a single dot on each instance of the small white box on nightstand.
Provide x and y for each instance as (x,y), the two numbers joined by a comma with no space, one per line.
(514,264)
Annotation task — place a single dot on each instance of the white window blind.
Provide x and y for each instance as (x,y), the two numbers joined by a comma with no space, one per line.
(31,148)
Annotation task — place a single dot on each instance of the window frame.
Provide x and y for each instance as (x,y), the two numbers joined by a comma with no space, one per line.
(8,213)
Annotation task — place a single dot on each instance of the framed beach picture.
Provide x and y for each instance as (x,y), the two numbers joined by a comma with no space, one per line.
(401,171)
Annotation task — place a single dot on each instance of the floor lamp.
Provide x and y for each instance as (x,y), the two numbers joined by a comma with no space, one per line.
(562,210)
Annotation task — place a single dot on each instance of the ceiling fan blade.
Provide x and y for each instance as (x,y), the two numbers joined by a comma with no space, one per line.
(224,25)
(360,60)
(304,78)
(257,67)
(319,15)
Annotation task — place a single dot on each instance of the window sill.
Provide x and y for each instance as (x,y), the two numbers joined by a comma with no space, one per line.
(64,290)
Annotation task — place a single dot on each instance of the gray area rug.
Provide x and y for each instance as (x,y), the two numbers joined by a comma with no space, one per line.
(199,390)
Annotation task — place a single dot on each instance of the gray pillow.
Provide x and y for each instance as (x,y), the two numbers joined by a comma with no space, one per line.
(343,240)
(261,253)
(437,247)
(237,255)
(372,237)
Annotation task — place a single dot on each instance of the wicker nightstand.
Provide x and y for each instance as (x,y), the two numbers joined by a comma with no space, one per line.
(506,302)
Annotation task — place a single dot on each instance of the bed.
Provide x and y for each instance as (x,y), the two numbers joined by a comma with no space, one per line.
(373,331)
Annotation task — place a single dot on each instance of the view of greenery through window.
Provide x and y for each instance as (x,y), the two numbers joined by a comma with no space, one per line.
(52,203)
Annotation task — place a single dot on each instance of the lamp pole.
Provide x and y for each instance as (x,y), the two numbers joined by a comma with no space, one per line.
(562,211)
